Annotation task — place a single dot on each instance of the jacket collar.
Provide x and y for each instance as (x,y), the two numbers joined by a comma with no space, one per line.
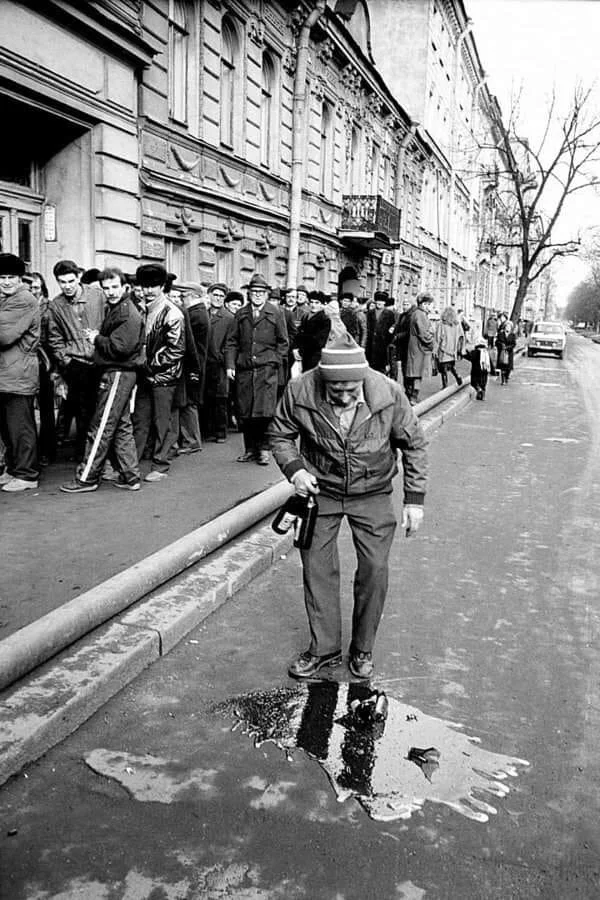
(268,311)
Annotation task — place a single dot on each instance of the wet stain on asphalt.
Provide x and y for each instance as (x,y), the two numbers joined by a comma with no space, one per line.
(391,766)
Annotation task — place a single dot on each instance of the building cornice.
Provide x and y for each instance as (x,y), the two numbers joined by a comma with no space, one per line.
(100,22)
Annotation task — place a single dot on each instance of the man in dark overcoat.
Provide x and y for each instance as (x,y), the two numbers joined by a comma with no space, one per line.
(381,322)
(222,325)
(256,357)
(313,331)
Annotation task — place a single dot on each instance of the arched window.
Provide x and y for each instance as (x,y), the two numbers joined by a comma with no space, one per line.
(178,61)
(266,109)
(326,147)
(229,54)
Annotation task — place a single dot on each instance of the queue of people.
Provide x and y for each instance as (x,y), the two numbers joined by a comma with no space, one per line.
(144,366)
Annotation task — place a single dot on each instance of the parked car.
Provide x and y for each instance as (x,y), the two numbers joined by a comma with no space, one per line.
(547,337)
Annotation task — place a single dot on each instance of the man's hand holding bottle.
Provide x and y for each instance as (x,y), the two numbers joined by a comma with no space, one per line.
(304,483)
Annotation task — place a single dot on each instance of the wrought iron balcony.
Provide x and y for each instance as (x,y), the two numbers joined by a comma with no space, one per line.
(370,222)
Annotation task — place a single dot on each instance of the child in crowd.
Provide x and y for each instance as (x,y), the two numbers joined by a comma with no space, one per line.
(479,358)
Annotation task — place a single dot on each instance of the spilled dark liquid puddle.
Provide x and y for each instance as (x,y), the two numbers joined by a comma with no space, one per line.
(391,763)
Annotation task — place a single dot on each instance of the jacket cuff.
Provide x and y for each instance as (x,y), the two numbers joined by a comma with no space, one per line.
(413,498)
(293,467)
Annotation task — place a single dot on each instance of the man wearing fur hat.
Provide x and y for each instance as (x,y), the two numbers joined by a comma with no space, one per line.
(256,358)
(165,349)
(19,376)
(380,330)
(336,433)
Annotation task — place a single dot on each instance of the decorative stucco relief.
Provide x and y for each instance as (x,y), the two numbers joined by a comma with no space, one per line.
(185,161)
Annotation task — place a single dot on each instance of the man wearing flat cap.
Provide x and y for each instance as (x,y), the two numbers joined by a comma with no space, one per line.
(336,434)
(256,358)
(19,376)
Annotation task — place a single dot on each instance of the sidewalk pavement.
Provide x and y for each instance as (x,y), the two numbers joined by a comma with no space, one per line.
(56,546)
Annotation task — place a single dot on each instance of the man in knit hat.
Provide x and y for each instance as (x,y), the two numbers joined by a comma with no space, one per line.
(335,433)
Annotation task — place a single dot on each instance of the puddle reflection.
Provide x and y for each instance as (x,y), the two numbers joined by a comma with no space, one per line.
(392,764)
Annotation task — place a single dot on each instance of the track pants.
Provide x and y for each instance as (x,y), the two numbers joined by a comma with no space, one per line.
(111,430)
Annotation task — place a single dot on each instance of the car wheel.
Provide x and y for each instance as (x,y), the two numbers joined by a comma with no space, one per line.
(560,355)
(529,353)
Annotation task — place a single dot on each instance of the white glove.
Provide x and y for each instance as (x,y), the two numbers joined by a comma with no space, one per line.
(412,517)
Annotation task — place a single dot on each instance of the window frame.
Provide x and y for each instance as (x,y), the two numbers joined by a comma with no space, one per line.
(179,61)
(229,75)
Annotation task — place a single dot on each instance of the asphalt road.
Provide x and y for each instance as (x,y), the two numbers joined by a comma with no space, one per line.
(491,625)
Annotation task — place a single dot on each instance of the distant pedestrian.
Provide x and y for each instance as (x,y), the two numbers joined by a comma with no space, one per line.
(465,328)
(313,331)
(446,347)
(381,322)
(118,355)
(19,376)
(505,342)
(256,358)
(414,341)
(336,434)
(479,357)
(491,330)
(350,318)
(358,306)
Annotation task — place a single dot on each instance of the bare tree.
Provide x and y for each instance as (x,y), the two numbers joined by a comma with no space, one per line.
(583,304)
(590,254)
(541,179)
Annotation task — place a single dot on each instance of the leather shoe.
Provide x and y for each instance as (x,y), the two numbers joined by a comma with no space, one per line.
(360,664)
(263,458)
(307,663)
(248,456)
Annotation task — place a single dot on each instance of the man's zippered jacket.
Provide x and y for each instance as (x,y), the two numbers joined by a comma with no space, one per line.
(304,434)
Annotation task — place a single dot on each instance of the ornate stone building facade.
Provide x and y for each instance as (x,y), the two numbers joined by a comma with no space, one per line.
(232,117)
(227,137)
(69,163)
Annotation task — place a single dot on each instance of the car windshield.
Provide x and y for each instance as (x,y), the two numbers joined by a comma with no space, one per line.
(548,329)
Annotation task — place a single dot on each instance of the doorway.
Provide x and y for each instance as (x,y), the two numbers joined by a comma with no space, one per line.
(42,162)
(20,225)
